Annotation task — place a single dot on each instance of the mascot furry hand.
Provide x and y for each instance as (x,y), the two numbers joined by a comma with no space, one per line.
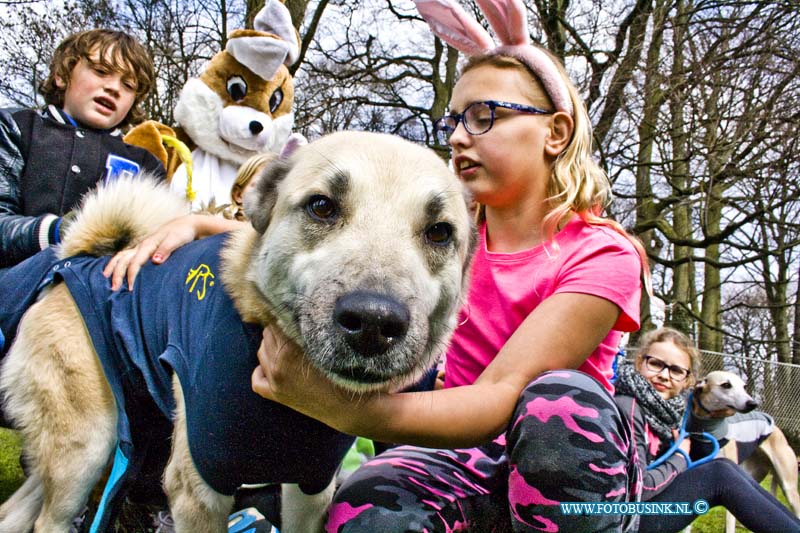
(239,106)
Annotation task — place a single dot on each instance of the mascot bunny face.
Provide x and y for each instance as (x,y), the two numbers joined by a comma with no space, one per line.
(239,106)
(233,113)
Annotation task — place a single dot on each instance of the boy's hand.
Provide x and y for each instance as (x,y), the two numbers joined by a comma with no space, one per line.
(66,221)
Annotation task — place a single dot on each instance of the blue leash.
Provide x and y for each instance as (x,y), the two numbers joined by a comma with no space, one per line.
(682,434)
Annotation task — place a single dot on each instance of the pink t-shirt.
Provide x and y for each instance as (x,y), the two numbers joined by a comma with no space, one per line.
(506,288)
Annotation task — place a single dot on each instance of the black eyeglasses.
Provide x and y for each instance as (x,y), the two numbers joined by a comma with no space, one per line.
(656,365)
(478,118)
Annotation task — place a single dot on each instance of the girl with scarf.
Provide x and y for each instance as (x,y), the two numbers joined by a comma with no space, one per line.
(651,394)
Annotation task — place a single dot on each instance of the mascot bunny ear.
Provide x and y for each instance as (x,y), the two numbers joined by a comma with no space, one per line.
(271,44)
(450,23)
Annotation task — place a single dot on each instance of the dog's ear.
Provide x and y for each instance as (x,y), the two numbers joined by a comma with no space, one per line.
(700,386)
(259,202)
(293,143)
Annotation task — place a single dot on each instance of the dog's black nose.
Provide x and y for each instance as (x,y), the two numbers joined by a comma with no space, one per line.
(750,405)
(371,323)
(256,127)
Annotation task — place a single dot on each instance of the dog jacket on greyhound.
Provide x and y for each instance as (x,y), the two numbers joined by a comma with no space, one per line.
(180,318)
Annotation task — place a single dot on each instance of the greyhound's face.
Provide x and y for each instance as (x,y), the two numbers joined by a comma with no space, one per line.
(723,392)
(365,246)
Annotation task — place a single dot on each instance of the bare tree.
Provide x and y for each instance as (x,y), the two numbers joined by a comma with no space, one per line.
(182,37)
(356,77)
(713,160)
(30,31)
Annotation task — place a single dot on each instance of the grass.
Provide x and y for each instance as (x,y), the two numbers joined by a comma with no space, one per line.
(10,471)
(11,477)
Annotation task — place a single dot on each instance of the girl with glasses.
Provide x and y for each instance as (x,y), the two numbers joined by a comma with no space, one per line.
(651,394)
(553,286)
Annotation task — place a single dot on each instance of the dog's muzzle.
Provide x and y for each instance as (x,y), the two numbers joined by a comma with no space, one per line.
(370,322)
(750,405)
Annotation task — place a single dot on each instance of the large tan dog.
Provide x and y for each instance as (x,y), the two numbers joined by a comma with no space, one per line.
(359,250)
(722,391)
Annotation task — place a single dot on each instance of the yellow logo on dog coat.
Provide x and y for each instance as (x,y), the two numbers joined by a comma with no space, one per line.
(202,272)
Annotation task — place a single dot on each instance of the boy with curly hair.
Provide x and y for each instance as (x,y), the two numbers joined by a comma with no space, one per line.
(50,158)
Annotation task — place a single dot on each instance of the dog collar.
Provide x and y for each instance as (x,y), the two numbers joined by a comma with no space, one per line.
(700,404)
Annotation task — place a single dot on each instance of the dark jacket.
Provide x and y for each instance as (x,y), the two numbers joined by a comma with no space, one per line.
(655,480)
(47,164)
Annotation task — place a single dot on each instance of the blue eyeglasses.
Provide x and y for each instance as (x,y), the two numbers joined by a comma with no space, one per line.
(478,118)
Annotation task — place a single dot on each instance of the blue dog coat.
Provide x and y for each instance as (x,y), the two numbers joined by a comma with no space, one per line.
(180,319)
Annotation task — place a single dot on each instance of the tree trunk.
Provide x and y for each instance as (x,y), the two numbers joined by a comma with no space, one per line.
(683,276)
(646,208)
(796,334)
(710,334)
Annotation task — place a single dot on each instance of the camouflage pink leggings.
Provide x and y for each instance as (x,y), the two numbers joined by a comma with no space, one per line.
(566,442)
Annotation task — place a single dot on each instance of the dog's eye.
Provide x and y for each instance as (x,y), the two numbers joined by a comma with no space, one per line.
(237,88)
(440,234)
(275,100)
(321,208)
(727,385)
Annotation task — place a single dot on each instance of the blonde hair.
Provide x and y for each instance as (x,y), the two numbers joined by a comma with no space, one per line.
(116,51)
(681,341)
(247,171)
(577,182)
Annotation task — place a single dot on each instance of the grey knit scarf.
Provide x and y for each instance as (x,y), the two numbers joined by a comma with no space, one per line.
(661,415)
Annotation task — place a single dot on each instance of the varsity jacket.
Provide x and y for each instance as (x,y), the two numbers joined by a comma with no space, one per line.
(47,164)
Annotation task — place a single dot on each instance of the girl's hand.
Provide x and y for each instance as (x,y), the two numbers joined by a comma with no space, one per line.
(159,245)
(285,376)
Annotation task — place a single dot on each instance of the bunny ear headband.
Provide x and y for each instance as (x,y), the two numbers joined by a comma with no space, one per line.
(450,23)
(272,43)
